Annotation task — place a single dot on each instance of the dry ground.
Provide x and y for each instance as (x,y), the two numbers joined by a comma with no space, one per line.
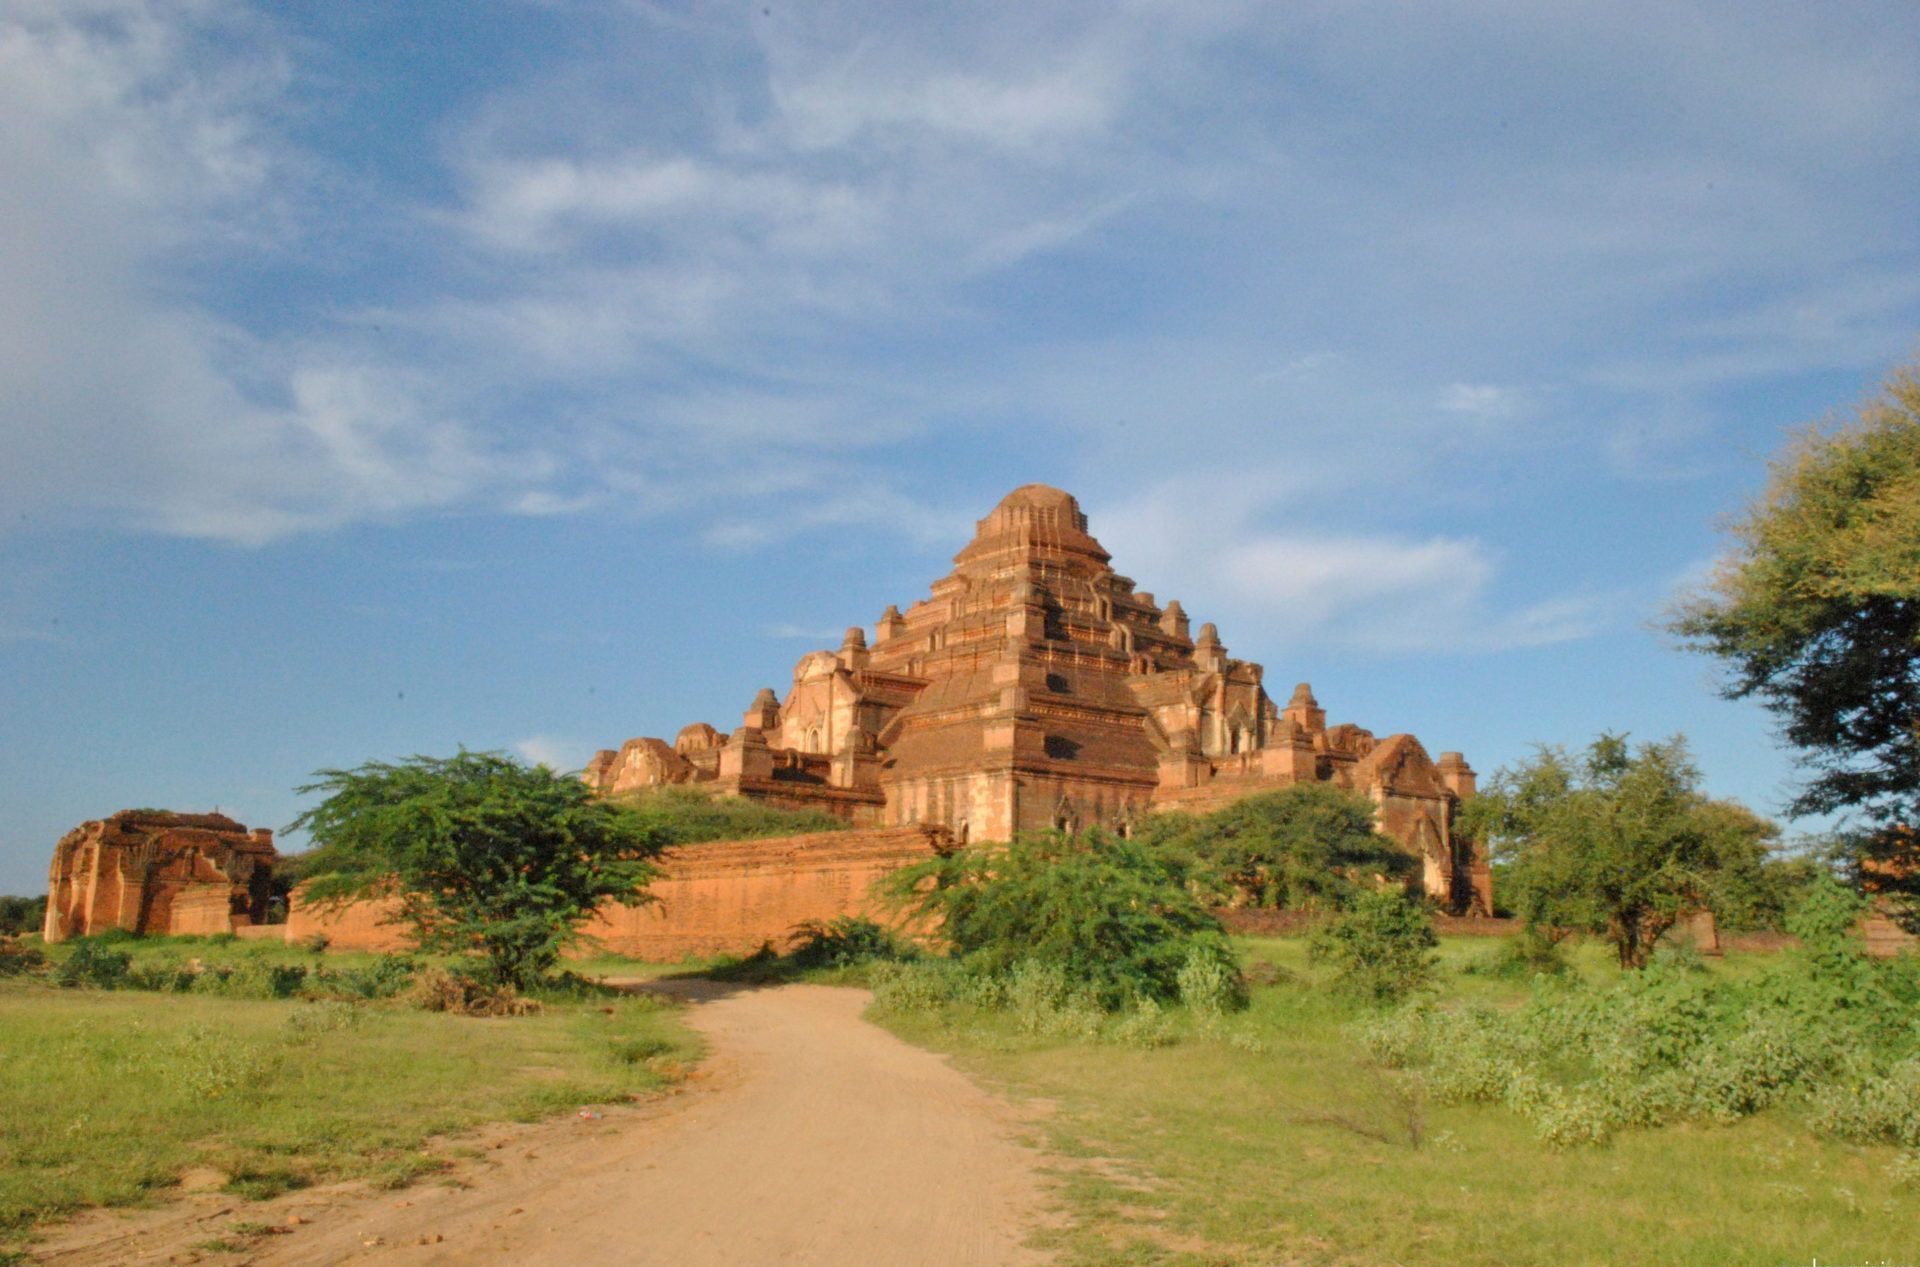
(811,1138)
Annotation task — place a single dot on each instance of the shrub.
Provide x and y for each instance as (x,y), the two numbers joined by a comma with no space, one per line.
(1534,952)
(1312,846)
(18,958)
(1209,982)
(385,977)
(91,963)
(1380,949)
(465,994)
(1673,1043)
(844,942)
(1103,913)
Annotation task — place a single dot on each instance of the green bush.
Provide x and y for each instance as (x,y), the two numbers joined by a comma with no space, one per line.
(1209,981)
(1534,952)
(844,942)
(95,964)
(1312,846)
(17,958)
(1104,914)
(1381,948)
(384,978)
(685,816)
(1822,1026)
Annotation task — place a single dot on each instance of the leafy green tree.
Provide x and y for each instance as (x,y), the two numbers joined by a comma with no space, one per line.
(1380,948)
(1105,912)
(22,914)
(487,855)
(1816,613)
(1311,846)
(1618,841)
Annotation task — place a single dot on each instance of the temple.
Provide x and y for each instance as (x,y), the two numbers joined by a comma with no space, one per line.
(1038,688)
(157,872)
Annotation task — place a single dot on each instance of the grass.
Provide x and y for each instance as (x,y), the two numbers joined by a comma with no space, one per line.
(108,1097)
(1269,1139)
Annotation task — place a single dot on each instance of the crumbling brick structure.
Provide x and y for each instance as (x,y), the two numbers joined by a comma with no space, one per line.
(151,871)
(1038,688)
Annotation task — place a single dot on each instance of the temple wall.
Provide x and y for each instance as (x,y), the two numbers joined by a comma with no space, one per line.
(731,897)
(353,926)
(723,897)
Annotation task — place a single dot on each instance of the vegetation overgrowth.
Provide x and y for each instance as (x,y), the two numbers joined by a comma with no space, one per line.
(256,1066)
(1297,1130)
(687,816)
(1107,919)
(1620,841)
(1816,614)
(1310,847)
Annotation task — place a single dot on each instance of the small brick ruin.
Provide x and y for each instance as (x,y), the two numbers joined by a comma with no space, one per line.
(157,872)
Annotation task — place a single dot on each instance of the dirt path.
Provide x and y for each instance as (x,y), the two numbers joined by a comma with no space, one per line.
(815,1138)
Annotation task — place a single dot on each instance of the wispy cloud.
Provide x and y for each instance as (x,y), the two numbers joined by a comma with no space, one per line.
(563,755)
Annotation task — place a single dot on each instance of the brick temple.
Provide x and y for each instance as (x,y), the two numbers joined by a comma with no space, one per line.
(1038,688)
(153,871)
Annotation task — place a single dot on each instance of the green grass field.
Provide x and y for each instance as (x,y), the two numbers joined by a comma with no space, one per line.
(1272,1140)
(108,1096)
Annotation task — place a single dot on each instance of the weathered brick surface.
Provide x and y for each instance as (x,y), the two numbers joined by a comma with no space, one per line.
(721,897)
(1036,688)
(152,871)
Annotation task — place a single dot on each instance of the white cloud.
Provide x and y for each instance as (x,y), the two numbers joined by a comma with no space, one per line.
(1485,401)
(134,141)
(562,755)
(1211,540)
(818,636)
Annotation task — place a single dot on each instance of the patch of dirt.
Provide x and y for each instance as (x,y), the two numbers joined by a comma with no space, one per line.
(814,1138)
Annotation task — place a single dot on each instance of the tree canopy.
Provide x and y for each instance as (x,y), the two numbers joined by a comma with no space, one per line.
(486,854)
(1310,846)
(1816,611)
(1107,913)
(1618,841)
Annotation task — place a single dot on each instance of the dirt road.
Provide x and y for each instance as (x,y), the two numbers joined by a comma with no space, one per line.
(815,1138)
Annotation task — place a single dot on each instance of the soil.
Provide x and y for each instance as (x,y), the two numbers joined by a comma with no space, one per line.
(809,1136)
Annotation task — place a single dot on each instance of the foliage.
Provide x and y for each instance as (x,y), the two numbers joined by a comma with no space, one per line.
(92,963)
(467,993)
(485,853)
(1535,951)
(22,915)
(684,816)
(1823,1023)
(1618,841)
(1816,614)
(1381,948)
(1311,846)
(1105,913)
(844,942)
(1210,983)
(17,958)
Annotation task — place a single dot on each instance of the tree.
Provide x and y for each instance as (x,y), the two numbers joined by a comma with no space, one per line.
(1619,841)
(1103,911)
(1816,613)
(1381,948)
(1311,846)
(486,854)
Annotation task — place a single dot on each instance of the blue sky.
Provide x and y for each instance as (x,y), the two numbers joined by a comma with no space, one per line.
(376,379)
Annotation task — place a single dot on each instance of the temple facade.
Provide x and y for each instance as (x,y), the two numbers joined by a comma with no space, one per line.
(1037,688)
(157,872)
